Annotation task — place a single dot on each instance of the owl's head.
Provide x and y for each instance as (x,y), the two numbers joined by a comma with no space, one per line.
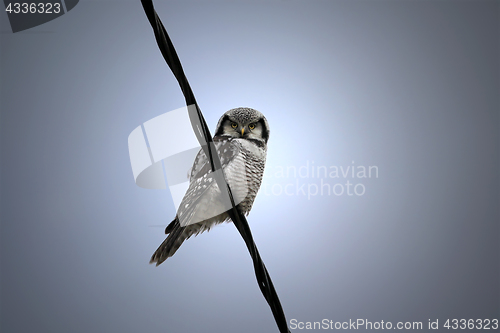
(243,123)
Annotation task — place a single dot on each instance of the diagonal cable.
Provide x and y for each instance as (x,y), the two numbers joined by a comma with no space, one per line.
(205,139)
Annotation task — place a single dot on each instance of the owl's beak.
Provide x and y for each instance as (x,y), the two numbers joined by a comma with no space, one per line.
(242,131)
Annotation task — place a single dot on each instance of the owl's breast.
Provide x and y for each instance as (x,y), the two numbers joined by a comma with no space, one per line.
(244,175)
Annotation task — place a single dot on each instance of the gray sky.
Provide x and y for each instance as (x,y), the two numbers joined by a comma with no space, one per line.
(410,88)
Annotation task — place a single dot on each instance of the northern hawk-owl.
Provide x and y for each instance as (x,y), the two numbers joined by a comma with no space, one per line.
(241,142)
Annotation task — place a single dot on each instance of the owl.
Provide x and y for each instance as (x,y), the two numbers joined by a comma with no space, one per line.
(241,142)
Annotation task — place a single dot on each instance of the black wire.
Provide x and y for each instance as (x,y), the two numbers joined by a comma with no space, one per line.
(205,139)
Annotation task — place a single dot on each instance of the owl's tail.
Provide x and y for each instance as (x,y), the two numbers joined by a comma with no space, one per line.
(176,236)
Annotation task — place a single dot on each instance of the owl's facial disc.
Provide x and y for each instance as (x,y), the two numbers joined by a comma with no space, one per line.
(251,130)
(243,123)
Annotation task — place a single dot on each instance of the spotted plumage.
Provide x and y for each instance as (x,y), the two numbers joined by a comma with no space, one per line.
(241,143)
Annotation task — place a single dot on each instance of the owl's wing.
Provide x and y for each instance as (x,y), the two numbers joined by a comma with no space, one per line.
(225,148)
(202,181)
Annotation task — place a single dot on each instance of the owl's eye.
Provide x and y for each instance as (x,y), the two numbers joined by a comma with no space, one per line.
(251,126)
(234,125)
